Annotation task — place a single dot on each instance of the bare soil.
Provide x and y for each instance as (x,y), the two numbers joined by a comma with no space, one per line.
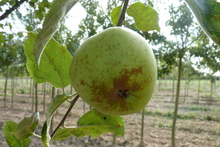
(202,129)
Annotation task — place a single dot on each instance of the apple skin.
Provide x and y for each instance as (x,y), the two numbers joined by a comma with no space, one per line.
(114,71)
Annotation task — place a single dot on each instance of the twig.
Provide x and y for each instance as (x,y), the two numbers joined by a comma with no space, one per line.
(10,10)
(122,16)
(65,116)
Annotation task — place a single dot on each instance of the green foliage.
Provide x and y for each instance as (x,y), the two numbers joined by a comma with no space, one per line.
(22,91)
(115,14)
(54,66)
(146,18)
(184,32)
(207,14)
(8,52)
(51,23)
(48,61)
(188,70)
(209,53)
(17,135)
(65,36)
(198,108)
(54,104)
(11,55)
(8,128)
(94,124)
(26,127)
(35,9)
(96,19)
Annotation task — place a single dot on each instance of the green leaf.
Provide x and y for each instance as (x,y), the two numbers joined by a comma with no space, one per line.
(54,66)
(26,127)
(10,36)
(54,104)
(146,18)
(8,130)
(45,136)
(207,13)
(115,14)
(20,34)
(58,11)
(94,124)
(29,28)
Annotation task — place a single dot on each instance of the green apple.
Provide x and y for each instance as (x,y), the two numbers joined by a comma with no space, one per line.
(114,71)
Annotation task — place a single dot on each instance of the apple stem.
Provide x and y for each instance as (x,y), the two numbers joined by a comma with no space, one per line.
(122,16)
(65,116)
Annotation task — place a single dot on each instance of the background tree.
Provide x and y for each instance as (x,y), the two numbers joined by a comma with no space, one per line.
(8,55)
(96,19)
(209,54)
(65,36)
(12,10)
(189,73)
(182,26)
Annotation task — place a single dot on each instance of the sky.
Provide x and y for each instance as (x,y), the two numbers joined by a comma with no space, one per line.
(77,13)
(75,16)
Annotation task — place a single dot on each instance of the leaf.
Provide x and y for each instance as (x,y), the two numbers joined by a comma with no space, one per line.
(26,127)
(146,18)
(54,104)
(207,13)
(45,137)
(8,129)
(94,124)
(115,14)
(54,66)
(58,11)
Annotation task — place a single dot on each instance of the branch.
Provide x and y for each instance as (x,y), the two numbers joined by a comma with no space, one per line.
(194,39)
(65,116)
(122,16)
(9,11)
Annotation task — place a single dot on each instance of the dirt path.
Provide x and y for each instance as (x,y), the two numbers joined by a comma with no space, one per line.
(157,132)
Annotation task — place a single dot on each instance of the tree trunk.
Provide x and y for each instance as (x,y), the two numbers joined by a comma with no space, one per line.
(44,97)
(211,91)
(159,84)
(114,140)
(198,91)
(30,90)
(32,95)
(36,96)
(173,88)
(176,102)
(12,92)
(185,87)
(142,128)
(6,86)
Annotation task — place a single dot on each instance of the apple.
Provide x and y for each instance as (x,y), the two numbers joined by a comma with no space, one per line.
(114,71)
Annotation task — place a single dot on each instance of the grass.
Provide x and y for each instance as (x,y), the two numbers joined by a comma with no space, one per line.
(165,88)
(169,114)
(22,91)
(197,108)
(218,98)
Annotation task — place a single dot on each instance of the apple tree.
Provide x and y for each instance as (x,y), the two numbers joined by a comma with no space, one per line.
(49,61)
(184,32)
(8,56)
(207,14)
(209,53)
